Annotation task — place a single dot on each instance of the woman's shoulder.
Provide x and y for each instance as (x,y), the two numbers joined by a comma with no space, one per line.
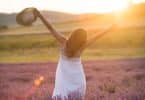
(63,52)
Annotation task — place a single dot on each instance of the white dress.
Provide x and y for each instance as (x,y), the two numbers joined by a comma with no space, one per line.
(70,78)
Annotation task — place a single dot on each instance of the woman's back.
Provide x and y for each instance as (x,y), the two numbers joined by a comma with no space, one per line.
(69,77)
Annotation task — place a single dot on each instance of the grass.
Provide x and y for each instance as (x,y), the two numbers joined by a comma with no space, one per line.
(113,53)
(19,47)
(52,54)
(29,55)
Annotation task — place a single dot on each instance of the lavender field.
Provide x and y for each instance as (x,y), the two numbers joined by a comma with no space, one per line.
(106,80)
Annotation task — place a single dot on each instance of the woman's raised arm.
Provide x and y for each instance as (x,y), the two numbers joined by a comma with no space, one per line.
(99,34)
(61,39)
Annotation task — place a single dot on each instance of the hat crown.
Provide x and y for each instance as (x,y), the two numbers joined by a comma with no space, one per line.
(26,17)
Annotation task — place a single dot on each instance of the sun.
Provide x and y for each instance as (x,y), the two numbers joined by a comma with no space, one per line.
(71,6)
(111,6)
(96,6)
(119,5)
(138,1)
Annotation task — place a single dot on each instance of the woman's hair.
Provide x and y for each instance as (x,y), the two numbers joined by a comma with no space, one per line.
(75,41)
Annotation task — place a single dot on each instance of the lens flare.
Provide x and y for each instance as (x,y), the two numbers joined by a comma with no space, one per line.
(41,78)
(39,81)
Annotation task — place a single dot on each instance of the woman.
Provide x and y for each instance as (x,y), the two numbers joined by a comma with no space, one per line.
(70,76)
(70,79)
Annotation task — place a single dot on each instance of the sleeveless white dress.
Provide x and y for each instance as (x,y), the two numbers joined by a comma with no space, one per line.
(70,78)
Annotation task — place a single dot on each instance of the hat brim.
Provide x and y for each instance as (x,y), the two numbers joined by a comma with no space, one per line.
(20,20)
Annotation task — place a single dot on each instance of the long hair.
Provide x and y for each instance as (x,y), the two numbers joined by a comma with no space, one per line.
(77,39)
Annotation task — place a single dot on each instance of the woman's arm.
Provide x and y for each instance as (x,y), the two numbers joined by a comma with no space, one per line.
(98,35)
(93,39)
(61,39)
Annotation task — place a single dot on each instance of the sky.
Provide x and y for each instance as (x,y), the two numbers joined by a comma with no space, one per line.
(69,6)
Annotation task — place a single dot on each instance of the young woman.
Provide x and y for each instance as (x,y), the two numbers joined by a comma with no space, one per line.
(70,78)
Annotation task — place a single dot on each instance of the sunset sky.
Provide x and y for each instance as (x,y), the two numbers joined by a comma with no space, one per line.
(70,6)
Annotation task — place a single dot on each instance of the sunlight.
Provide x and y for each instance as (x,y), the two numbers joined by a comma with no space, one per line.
(138,1)
(41,78)
(39,81)
(113,6)
(99,6)
(71,6)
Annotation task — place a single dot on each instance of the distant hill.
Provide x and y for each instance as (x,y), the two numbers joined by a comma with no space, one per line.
(134,14)
(54,16)
(10,19)
(7,19)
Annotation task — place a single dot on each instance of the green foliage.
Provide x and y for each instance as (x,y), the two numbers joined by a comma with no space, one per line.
(122,43)
(123,38)
(26,41)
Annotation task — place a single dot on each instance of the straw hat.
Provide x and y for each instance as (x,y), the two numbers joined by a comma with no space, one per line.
(26,17)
